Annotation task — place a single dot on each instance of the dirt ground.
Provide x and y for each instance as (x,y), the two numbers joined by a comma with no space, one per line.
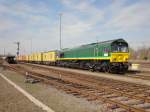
(12,100)
(57,100)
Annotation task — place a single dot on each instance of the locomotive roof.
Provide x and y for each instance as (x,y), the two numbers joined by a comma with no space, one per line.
(109,42)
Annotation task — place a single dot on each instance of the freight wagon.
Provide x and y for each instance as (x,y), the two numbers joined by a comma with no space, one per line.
(49,57)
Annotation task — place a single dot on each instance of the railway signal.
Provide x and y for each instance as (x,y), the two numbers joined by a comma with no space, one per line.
(18,47)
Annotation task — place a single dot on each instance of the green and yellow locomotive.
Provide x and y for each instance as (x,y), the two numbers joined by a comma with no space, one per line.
(107,56)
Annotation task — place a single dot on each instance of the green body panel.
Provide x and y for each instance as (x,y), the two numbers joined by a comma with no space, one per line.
(95,50)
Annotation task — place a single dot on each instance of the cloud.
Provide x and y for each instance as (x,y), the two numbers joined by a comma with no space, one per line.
(6,24)
(131,18)
(79,21)
(83,21)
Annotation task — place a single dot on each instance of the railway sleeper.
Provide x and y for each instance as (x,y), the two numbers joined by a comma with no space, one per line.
(144,106)
(120,110)
(111,106)
(103,93)
(84,95)
(133,102)
(32,80)
(92,98)
(111,96)
(120,98)
(75,93)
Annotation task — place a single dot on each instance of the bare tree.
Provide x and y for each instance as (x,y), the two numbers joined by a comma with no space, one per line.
(142,53)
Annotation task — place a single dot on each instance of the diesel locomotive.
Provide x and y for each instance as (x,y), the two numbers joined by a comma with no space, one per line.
(107,56)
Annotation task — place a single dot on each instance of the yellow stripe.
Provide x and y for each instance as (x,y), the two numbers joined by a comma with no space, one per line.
(119,53)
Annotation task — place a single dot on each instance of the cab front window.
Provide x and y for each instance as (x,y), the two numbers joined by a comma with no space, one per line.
(120,48)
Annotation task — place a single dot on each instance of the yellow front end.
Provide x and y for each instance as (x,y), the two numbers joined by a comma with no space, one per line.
(119,57)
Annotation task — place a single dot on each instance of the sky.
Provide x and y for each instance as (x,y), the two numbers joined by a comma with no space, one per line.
(35,23)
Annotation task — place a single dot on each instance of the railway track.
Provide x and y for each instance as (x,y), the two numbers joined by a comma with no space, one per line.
(118,96)
(145,75)
(144,70)
(143,64)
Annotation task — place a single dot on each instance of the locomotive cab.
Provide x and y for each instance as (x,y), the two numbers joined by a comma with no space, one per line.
(119,51)
(119,55)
